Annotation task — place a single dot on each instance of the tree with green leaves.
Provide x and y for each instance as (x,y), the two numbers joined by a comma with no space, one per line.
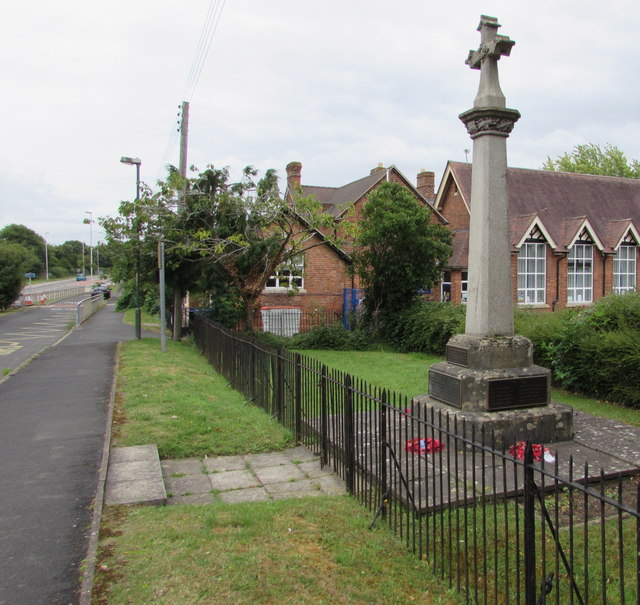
(15,260)
(245,230)
(29,239)
(132,240)
(592,159)
(398,251)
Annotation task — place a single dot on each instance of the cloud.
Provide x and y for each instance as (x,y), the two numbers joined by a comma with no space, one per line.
(339,86)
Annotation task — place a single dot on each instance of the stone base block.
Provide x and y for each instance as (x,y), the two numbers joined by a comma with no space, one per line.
(484,353)
(549,424)
(480,390)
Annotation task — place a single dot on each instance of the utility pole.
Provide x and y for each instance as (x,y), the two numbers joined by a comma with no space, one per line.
(184,139)
(46,255)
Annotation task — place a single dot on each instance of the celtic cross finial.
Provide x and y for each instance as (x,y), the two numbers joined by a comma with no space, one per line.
(492,47)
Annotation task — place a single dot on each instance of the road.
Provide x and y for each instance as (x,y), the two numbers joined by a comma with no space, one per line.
(53,420)
(26,332)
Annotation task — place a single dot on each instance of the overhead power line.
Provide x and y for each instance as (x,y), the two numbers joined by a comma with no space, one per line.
(204,44)
(207,33)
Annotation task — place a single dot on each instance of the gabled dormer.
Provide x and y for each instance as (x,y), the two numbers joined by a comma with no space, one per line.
(534,231)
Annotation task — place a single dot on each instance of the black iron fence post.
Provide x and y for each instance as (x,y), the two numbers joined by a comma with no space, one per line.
(324,417)
(383,453)
(298,397)
(529,528)
(280,383)
(349,437)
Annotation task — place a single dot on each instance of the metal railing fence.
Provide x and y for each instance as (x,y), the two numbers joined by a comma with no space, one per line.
(86,307)
(497,528)
(36,297)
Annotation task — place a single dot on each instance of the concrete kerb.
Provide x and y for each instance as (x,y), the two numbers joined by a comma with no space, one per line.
(94,533)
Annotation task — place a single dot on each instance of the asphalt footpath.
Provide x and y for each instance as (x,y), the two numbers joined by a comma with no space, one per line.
(53,423)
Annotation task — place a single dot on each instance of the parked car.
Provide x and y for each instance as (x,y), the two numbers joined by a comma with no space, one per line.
(81,277)
(101,289)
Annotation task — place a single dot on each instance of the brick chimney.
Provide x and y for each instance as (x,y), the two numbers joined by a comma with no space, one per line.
(426,184)
(294,173)
(378,168)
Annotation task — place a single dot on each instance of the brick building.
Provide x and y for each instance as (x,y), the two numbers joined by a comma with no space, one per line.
(321,278)
(574,236)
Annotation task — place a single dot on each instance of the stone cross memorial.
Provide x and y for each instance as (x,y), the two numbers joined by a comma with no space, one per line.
(488,378)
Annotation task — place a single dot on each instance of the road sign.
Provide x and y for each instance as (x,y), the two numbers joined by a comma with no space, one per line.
(30,275)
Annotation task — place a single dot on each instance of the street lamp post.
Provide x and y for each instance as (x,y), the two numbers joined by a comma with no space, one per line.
(90,220)
(163,304)
(138,319)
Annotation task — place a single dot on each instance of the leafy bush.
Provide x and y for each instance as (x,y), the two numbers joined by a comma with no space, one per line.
(335,338)
(149,300)
(597,352)
(615,312)
(426,327)
(544,330)
(14,261)
(222,304)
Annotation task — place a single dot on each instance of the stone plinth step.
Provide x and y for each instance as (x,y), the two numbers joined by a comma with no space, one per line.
(135,476)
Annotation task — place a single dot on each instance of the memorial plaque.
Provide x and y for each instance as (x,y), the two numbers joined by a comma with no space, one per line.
(508,393)
(445,388)
(458,355)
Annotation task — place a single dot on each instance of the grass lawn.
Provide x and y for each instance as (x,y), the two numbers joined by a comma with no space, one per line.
(315,550)
(149,322)
(308,551)
(407,374)
(176,401)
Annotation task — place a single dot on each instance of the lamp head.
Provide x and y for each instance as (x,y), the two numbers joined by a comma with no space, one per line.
(126,160)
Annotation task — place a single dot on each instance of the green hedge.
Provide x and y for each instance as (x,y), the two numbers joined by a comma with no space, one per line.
(544,330)
(597,352)
(426,327)
(332,338)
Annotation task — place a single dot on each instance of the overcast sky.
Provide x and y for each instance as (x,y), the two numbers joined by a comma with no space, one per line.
(338,85)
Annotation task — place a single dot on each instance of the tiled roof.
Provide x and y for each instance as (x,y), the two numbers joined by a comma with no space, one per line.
(564,202)
(335,200)
(459,249)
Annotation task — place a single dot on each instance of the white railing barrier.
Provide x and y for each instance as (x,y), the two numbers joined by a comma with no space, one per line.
(33,298)
(88,306)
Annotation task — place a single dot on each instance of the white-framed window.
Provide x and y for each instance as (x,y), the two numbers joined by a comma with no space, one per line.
(464,287)
(624,269)
(289,275)
(532,273)
(580,274)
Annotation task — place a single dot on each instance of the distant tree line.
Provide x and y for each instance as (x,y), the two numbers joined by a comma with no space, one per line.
(593,159)
(22,250)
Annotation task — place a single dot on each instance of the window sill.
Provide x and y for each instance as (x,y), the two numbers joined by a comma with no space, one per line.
(291,291)
(580,303)
(533,305)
